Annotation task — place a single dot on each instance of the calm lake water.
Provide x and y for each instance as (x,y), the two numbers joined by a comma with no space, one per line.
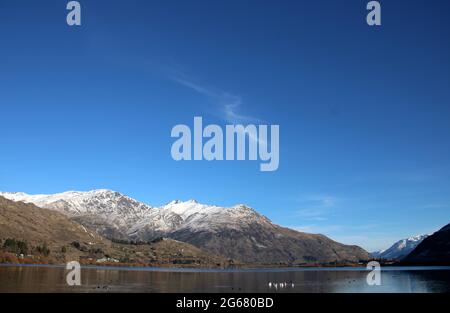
(101,279)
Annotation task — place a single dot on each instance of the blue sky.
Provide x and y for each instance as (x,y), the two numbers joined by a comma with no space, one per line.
(363,112)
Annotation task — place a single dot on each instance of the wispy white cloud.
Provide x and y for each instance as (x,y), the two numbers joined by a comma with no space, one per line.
(318,200)
(311,214)
(196,87)
(437,206)
(227,104)
(318,229)
(315,207)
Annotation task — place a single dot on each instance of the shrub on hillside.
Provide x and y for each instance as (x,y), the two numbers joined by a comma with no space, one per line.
(43,249)
(16,246)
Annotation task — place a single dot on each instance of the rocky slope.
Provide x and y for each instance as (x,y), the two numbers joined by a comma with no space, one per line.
(237,232)
(37,225)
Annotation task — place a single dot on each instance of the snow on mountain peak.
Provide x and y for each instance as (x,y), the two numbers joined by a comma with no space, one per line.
(130,216)
(418,237)
(114,207)
(401,248)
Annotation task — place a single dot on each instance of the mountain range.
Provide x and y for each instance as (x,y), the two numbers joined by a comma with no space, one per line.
(48,236)
(400,249)
(238,232)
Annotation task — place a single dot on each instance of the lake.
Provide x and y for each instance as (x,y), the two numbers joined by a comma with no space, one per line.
(38,278)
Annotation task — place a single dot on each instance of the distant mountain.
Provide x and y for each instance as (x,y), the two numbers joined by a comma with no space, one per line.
(400,249)
(237,232)
(434,250)
(66,240)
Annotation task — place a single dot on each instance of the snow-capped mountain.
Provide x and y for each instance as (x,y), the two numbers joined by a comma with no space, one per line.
(400,249)
(111,209)
(237,232)
(133,217)
(191,215)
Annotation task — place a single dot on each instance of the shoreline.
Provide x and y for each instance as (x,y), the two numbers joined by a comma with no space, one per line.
(225,270)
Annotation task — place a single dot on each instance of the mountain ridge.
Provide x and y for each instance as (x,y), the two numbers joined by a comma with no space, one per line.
(238,232)
(48,236)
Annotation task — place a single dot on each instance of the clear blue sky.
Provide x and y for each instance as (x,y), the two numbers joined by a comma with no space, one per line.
(364,113)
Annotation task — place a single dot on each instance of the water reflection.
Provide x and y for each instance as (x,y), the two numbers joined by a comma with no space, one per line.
(52,279)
